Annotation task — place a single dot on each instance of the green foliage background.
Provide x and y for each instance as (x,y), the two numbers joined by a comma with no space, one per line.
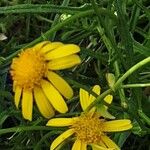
(113,35)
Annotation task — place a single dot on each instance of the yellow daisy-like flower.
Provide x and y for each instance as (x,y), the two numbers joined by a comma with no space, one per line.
(88,128)
(34,77)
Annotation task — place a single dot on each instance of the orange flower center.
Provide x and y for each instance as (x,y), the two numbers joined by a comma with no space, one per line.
(88,128)
(28,69)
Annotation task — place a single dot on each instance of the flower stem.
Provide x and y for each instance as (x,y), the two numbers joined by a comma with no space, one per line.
(136,85)
(129,72)
(98,99)
(120,91)
(119,82)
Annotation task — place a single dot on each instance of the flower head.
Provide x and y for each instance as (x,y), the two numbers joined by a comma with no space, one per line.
(34,77)
(89,128)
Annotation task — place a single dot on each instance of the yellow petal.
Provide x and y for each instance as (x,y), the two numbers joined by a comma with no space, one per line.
(117,125)
(92,111)
(108,99)
(84,98)
(43,103)
(18,92)
(109,143)
(61,138)
(83,146)
(96,89)
(54,97)
(64,62)
(40,45)
(101,143)
(51,46)
(63,51)
(97,147)
(27,104)
(77,145)
(14,86)
(61,122)
(60,84)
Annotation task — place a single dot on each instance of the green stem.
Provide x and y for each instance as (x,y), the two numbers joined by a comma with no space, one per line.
(119,82)
(137,85)
(98,99)
(24,128)
(120,91)
(129,72)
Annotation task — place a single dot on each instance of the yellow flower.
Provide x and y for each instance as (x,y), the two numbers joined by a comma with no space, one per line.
(34,77)
(88,128)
